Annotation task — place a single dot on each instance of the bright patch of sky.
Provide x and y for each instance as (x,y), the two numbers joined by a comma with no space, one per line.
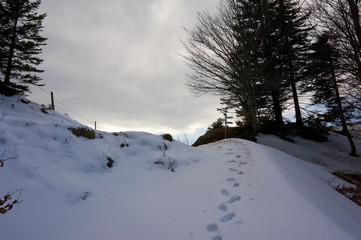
(118,63)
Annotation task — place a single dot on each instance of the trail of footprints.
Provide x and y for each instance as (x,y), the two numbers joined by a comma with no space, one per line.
(232,199)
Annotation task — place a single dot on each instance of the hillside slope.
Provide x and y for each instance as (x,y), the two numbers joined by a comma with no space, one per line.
(232,189)
(333,154)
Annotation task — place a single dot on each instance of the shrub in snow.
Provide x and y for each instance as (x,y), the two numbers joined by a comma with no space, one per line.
(83,132)
(163,148)
(159,162)
(84,196)
(352,192)
(3,160)
(124,143)
(110,162)
(44,109)
(314,129)
(25,101)
(171,164)
(168,137)
(6,204)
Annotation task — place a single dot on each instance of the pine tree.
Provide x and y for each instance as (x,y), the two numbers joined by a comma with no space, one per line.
(294,45)
(20,45)
(247,28)
(325,84)
(248,55)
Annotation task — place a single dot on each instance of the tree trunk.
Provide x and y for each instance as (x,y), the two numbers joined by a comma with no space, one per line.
(299,121)
(277,108)
(254,122)
(342,116)
(355,18)
(11,50)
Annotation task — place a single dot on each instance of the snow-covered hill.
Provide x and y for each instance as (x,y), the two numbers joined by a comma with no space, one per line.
(232,189)
(333,154)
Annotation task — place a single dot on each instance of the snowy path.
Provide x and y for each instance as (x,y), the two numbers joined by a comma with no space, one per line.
(262,194)
(238,191)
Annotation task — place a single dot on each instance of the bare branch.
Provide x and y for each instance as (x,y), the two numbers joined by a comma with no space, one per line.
(6,204)
(2,160)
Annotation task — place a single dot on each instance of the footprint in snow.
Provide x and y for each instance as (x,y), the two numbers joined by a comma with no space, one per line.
(228,153)
(212,227)
(218,237)
(223,207)
(234,198)
(227,217)
(225,192)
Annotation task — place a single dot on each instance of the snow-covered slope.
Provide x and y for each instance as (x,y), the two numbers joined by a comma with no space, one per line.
(232,189)
(333,154)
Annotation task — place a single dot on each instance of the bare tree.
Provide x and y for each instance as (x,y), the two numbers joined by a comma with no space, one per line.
(222,54)
(343,19)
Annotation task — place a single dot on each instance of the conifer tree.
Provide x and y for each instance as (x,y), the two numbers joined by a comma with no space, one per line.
(294,45)
(324,70)
(20,45)
(249,54)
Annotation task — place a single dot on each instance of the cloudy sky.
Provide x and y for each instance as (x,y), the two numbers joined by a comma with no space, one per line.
(118,62)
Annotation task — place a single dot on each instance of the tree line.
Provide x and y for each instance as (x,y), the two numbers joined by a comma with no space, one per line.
(262,56)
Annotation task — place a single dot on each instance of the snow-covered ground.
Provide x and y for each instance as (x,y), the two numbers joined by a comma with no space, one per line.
(333,155)
(232,189)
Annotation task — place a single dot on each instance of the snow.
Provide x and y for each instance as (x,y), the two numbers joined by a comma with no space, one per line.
(333,155)
(232,189)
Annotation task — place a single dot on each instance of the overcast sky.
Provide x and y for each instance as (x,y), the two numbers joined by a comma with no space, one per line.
(118,62)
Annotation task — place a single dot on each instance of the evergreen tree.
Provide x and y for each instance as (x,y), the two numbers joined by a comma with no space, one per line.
(325,85)
(294,45)
(248,29)
(274,84)
(249,54)
(20,44)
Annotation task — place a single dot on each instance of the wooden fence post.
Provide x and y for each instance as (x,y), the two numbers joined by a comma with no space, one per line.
(52,101)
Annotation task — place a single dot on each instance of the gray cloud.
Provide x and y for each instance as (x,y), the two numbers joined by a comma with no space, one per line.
(117,62)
